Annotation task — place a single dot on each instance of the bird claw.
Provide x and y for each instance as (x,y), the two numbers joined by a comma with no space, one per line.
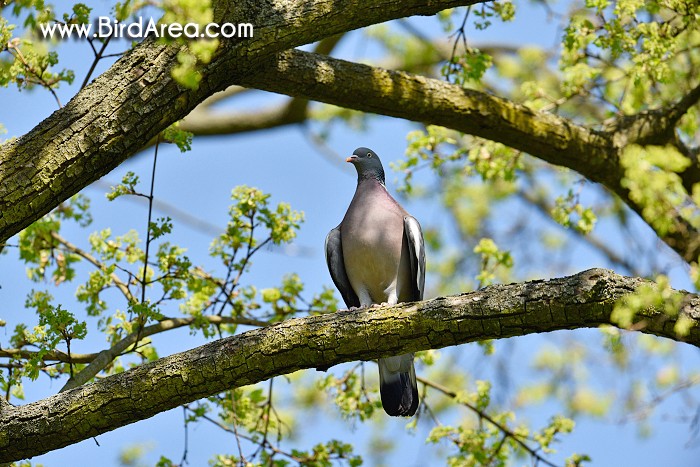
(355,308)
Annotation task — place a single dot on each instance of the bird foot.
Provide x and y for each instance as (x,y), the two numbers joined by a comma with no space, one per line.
(355,308)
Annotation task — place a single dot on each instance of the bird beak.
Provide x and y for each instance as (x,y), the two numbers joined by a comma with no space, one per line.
(351,159)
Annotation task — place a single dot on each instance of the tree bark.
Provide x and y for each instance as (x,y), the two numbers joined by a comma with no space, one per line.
(557,140)
(580,301)
(123,109)
(129,104)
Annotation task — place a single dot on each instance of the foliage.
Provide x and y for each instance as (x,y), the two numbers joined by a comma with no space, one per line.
(506,216)
(30,62)
(195,53)
(181,138)
(657,295)
(491,259)
(651,176)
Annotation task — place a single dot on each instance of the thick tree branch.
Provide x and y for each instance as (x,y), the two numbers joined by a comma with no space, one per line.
(127,106)
(583,300)
(124,108)
(206,121)
(413,97)
(554,139)
(658,127)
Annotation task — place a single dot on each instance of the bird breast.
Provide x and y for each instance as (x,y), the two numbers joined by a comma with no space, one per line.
(372,239)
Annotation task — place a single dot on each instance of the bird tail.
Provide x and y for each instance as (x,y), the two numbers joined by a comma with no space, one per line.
(397,385)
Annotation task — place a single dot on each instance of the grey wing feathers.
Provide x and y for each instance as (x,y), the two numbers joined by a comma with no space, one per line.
(336,266)
(416,249)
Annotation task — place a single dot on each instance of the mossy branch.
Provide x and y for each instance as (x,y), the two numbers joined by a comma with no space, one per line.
(581,301)
(127,106)
(557,140)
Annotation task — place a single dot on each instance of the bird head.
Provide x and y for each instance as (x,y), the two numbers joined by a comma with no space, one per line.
(367,164)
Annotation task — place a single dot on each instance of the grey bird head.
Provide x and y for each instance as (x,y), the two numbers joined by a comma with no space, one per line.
(367,164)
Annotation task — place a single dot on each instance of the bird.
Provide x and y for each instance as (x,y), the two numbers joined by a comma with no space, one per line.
(376,255)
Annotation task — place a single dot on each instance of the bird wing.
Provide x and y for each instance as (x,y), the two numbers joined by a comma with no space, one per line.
(336,266)
(416,249)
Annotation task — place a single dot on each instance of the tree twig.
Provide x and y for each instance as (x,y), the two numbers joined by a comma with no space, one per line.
(507,432)
(121,285)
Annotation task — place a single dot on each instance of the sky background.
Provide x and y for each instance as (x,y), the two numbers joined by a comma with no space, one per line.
(287,164)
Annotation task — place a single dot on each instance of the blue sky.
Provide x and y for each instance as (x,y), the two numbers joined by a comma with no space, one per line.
(285,163)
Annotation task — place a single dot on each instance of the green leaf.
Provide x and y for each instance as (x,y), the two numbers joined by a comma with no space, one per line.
(181,138)
(126,187)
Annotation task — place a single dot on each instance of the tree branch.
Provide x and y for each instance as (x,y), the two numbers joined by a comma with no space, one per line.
(413,97)
(203,121)
(122,110)
(520,439)
(557,140)
(129,104)
(583,300)
(539,202)
(654,126)
(208,122)
(50,356)
(677,111)
(99,361)
(121,285)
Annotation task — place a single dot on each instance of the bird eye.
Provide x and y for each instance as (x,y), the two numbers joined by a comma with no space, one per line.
(369,154)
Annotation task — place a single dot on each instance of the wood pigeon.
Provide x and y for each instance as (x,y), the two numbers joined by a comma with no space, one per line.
(376,255)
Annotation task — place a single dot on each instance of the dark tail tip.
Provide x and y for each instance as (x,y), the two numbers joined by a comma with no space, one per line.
(399,396)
